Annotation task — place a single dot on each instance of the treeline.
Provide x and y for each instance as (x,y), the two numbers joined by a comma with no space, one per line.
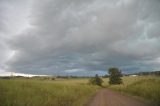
(25,77)
(46,77)
(157,73)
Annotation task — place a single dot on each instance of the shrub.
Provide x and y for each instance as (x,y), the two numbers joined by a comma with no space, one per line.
(96,80)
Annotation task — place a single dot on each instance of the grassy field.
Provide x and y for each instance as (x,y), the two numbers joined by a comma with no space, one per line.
(27,92)
(71,92)
(147,87)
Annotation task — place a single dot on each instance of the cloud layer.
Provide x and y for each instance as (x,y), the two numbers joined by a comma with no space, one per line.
(73,37)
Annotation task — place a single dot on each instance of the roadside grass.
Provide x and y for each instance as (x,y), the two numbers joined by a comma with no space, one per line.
(28,92)
(146,87)
(72,92)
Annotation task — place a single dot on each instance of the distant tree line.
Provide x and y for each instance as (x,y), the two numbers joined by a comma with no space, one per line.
(157,73)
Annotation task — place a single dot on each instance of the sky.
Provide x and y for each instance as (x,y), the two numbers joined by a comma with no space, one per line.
(79,37)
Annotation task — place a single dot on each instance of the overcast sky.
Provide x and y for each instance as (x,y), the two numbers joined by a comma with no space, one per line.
(79,37)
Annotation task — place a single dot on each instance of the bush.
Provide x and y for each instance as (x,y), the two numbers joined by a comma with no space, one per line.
(96,80)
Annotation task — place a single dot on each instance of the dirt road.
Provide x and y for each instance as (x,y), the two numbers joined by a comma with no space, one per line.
(106,97)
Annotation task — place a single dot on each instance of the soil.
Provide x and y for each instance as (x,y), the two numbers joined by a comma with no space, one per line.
(106,97)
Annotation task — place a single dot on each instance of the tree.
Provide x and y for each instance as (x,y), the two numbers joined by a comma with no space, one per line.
(96,80)
(115,76)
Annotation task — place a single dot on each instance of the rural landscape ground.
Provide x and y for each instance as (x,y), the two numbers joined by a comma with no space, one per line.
(135,91)
(106,97)
(79,52)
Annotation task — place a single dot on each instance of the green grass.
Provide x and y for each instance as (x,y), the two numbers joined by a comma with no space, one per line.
(146,87)
(71,92)
(27,92)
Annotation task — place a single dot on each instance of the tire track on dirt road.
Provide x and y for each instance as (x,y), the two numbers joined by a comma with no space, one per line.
(106,97)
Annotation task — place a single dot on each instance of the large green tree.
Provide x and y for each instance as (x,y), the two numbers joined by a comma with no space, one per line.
(114,76)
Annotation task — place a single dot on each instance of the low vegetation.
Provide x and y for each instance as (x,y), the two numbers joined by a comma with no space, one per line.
(27,92)
(72,91)
(96,80)
(147,87)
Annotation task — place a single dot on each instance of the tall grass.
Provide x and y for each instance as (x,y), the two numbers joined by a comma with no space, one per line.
(45,93)
(147,87)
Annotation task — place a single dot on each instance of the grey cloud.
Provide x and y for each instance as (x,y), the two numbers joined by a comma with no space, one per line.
(11,22)
(90,35)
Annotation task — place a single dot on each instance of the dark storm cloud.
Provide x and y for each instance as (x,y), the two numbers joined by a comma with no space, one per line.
(67,36)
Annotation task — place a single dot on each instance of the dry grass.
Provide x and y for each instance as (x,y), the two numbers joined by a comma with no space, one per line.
(147,87)
(22,92)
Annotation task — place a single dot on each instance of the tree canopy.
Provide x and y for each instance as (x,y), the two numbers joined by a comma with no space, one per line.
(114,76)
